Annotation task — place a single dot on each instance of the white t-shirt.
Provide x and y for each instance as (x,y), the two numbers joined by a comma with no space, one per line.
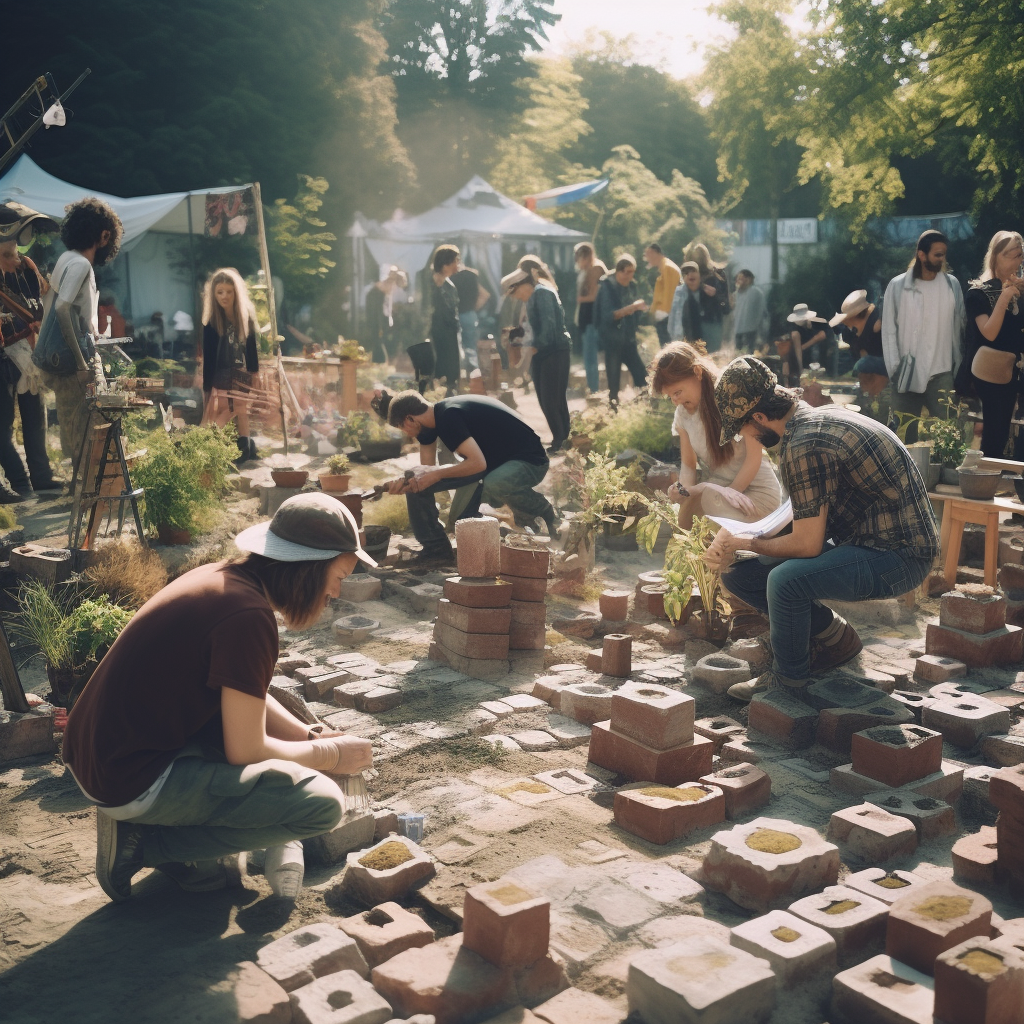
(74,282)
(934,347)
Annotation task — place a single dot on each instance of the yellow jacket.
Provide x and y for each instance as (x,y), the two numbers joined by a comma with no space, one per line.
(665,286)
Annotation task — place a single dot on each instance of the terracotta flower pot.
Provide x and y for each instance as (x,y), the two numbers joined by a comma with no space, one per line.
(172,535)
(334,482)
(289,477)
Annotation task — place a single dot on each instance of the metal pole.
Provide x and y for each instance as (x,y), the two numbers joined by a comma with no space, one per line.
(196,306)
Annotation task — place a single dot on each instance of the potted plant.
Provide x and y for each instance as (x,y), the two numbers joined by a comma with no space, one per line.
(335,475)
(948,447)
(375,441)
(289,477)
(175,498)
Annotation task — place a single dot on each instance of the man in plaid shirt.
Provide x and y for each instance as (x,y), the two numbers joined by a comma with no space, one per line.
(863,526)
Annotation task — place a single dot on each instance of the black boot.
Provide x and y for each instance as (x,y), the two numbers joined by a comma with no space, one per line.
(253,454)
(243,448)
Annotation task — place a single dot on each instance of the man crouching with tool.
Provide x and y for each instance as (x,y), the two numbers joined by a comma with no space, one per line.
(175,738)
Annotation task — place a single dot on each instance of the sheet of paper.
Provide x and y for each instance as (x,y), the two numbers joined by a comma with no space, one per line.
(767,527)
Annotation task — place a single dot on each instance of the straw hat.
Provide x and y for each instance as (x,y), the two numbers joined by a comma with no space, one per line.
(802,315)
(854,303)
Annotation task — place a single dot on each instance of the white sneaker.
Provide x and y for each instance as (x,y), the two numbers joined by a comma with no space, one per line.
(284,868)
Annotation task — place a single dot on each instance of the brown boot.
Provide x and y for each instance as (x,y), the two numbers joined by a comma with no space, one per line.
(839,652)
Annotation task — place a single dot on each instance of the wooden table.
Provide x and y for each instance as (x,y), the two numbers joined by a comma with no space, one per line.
(958,512)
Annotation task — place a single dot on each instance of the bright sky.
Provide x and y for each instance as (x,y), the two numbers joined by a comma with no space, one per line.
(669,33)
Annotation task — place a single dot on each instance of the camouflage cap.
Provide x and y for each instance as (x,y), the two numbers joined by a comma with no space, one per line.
(744,382)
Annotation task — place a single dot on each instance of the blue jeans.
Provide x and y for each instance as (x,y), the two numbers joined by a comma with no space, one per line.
(470,336)
(509,484)
(591,344)
(790,591)
(871,364)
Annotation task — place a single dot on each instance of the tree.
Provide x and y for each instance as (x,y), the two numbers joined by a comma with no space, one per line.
(297,253)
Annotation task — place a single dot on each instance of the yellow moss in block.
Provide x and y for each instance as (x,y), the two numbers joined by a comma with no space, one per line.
(768,840)
(509,895)
(891,882)
(690,794)
(525,787)
(390,855)
(784,934)
(944,908)
(840,907)
(980,961)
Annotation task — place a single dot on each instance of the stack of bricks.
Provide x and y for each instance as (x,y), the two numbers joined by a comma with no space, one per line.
(526,570)
(650,737)
(972,628)
(1006,791)
(1011,580)
(474,616)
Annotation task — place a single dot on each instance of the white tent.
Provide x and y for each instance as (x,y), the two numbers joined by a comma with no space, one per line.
(149,274)
(479,219)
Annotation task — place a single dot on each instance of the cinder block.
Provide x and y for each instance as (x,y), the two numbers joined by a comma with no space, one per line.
(340,998)
(1003,751)
(654,715)
(719,729)
(972,614)
(258,998)
(387,871)
(478,593)
(931,817)
(699,980)
(487,646)
(531,563)
(1000,647)
(979,983)
(935,668)
(332,847)
(795,950)
(310,952)
(945,784)
(586,702)
(896,754)
(474,620)
(626,756)
(477,546)
(963,722)
(783,718)
(836,726)
(743,786)
(885,886)
(854,920)
(529,613)
(882,991)
(720,671)
(976,857)
(505,923)
(662,814)
(871,833)
(769,859)
(26,734)
(386,931)
(932,919)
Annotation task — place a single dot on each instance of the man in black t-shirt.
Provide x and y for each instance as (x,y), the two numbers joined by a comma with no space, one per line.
(498,449)
(472,296)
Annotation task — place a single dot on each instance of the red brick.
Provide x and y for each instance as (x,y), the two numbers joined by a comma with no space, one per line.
(744,787)
(1000,647)
(896,754)
(1006,790)
(614,605)
(478,593)
(970,614)
(377,699)
(653,598)
(532,613)
(719,730)
(932,919)
(477,543)
(618,753)
(478,668)
(524,636)
(654,715)
(975,857)
(258,998)
(506,923)
(386,931)
(473,620)
(935,668)
(836,726)
(526,588)
(964,720)
(971,992)
(664,819)
(595,661)
(529,562)
(617,654)
(783,718)
(472,645)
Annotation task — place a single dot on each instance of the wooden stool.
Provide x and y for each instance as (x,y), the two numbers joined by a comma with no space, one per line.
(958,512)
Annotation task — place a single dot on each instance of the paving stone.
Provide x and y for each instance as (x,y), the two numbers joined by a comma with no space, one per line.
(1000,647)
(700,980)
(743,786)
(576,939)
(482,646)
(972,614)
(976,857)
(838,692)
(548,689)
(637,761)
(869,832)
(782,718)
(372,886)
(932,919)
(663,814)
(340,998)
(258,998)
(932,818)
(574,1006)
(478,668)
(666,931)
(478,721)
(524,702)
(836,726)
(795,949)
(567,780)
(587,702)
(567,732)
(620,907)
(979,981)
(854,920)
(506,742)
(913,702)
(720,671)
(460,848)
(882,991)
(744,750)
(882,885)
(664,884)
(378,699)
(719,729)
(896,754)
(534,739)
(945,784)
(310,952)
(1005,750)
(805,769)
(769,859)
(963,722)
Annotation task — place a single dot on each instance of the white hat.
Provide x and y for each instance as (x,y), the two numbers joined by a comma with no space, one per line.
(801,314)
(512,281)
(854,303)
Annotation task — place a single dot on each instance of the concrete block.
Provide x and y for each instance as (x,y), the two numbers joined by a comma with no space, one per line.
(976,857)
(931,817)
(654,715)
(385,821)
(896,754)
(360,586)
(979,983)
(663,814)
(719,729)
(311,952)
(36,561)
(882,885)
(258,998)
(473,620)
(574,1006)
(446,980)
(935,668)
(352,833)
(531,563)
(971,613)
(945,784)
(839,692)
(975,792)
(485,646)
(478,668)
(854,920)
(567,732)
(868,832)
(795,950)
(526,588)
(520,702)
(595,661)
(619,907)
(932,919)
(387,871)
(477,546)
(719,671)
(663,884)
(549,689)
(626,756)
(1005,750)
(525,637)
(1000,647)
(26,734)
(836,726)
(743,786)
(378,699)
(386,931)
(586,702)
(882,991)
(914,702)
(341,998)
(782,718)
(580,624)
(700,981)
(529,613)
(749,651)
(505,923)
(472,593)
(614,605)
(768,859)
(963,722)
(534,739)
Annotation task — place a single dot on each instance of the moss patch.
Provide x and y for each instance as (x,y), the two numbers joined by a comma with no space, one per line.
(509,895)
(840,907)
(525,787)
(768,840)
(891,882)
(689,795)
(944,908)
(784,934)
(385,857)
(980,961)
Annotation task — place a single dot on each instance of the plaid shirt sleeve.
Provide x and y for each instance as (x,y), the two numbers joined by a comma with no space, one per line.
(810,478)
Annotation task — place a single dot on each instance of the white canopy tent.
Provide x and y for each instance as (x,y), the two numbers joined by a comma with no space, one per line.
(478,218)
(148,275)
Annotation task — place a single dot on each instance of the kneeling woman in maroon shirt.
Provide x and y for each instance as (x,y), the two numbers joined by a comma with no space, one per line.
(175,738)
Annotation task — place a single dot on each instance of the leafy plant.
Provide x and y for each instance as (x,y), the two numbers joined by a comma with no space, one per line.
(8,520)
(603,493)
(363,426)
(338,465)
(149,366)
(351,349)
(299,241)
(215,449)
(950,435)
(171,475)
(643,427)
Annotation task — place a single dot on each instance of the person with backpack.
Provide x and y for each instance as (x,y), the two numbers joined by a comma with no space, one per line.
(714,294)
(617,312)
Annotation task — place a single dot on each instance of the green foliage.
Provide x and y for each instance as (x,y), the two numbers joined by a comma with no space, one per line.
(643,426)
(215,449)
(950,435)
(149,366)
(603,495)
(338,465)
(363,426)
(8,519)
(297,240)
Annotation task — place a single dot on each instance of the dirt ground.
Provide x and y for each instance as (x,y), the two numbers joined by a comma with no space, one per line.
(68,954)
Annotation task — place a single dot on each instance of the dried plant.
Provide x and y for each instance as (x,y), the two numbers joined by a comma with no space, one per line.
(129,573)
